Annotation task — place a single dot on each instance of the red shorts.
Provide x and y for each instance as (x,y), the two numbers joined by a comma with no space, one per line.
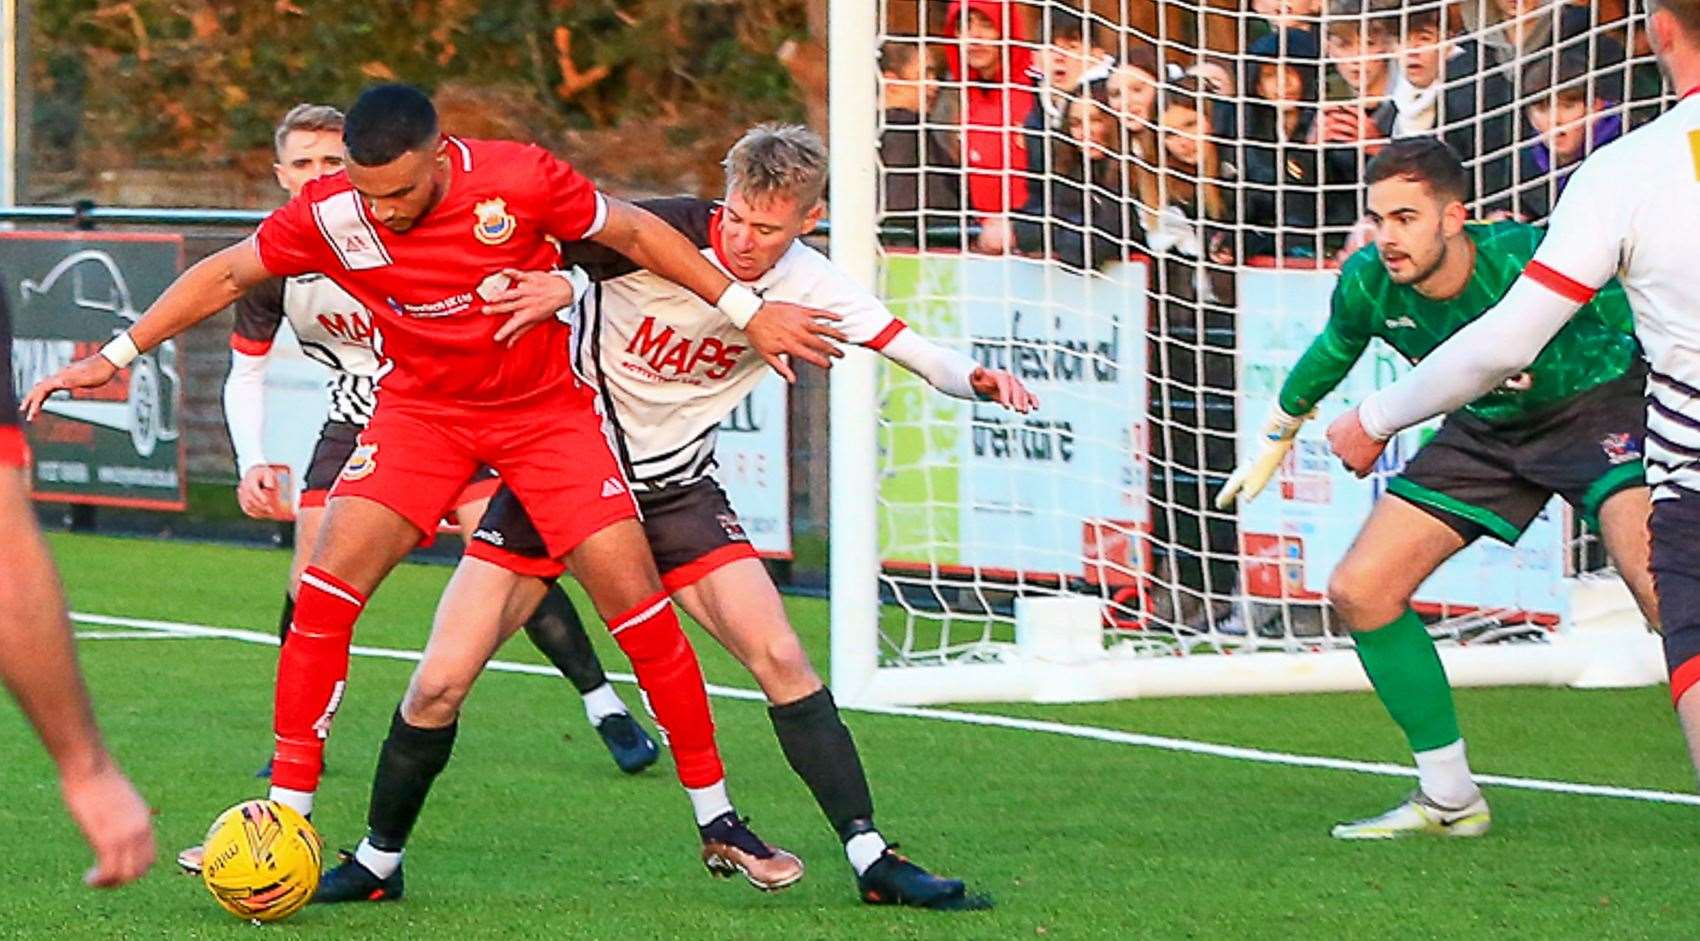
(13,452)
(337,441)
(417,458)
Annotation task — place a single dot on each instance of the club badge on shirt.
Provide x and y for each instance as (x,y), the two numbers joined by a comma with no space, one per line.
(495,224)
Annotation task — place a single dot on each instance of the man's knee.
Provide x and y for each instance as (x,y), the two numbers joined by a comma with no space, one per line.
(1359,595)
(779,660)
(433,700)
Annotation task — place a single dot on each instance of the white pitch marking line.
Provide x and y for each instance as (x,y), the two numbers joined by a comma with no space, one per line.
(1115,736)
(131,635)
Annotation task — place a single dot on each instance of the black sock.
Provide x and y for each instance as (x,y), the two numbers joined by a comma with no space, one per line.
(820,750)
(284,619)
(556,630)
(410,761)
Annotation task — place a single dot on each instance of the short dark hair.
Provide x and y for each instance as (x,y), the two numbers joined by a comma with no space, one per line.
(1063,23)
(386,122)
(1426,160)
(1569,76)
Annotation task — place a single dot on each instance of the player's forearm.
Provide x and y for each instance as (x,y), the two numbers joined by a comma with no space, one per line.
(1498,345)
(1319,370)
(245,409)
(944,369)
(654,245)
(209,286)
(38,661)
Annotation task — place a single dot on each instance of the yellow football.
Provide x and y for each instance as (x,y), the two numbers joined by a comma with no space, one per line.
(261,860)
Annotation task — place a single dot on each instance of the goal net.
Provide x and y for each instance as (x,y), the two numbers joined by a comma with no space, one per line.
(1140,208)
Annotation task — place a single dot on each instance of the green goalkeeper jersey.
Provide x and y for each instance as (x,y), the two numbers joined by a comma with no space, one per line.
(1596,346)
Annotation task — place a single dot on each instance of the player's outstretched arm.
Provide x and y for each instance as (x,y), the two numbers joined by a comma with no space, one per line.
(38,663)
(1322,366)
(1496,346)
(776,329)
(957,375)
(209,286)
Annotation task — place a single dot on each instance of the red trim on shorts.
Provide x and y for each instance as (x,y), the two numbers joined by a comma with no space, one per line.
(314,499)
(1559,283)
(249,347)
(14,452)
(1692,91)
(885,336)
(478,490)
(699,568)
(534,566)
(1683,678)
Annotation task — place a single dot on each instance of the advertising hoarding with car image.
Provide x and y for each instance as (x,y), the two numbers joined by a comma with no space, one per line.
(70,293)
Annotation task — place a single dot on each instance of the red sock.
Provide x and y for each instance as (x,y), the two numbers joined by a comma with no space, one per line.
(311,671)
(671,679)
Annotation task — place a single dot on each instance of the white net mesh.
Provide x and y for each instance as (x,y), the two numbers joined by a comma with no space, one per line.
(1139,208)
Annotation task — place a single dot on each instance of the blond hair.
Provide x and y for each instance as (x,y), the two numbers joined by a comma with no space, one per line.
(778,160)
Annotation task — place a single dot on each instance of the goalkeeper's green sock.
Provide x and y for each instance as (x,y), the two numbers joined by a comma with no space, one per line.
(1405,669)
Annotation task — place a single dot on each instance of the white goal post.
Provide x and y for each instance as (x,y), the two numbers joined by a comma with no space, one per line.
(1074,554)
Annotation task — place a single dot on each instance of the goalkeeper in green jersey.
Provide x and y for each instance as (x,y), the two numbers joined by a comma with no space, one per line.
(1571,424)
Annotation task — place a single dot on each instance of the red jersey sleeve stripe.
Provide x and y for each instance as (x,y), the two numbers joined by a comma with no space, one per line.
(13,451)
(884,336)
(249,347)
(1561,284)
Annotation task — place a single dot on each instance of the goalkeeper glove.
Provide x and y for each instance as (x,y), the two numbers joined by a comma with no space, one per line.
(1248,480)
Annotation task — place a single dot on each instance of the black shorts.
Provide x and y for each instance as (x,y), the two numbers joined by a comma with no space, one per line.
(337,441)
(690,527)
(1493,480)
(1676,580)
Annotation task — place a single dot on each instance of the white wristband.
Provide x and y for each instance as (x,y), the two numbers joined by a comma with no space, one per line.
(580,281)
(739,304)
(121,350)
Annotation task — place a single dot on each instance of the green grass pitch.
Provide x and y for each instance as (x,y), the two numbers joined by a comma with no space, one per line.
(532,833)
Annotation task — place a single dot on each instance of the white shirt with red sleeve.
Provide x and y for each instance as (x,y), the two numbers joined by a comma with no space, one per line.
(1630,211)
(506,205)
(672,367)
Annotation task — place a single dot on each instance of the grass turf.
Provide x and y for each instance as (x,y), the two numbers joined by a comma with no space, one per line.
(532,832)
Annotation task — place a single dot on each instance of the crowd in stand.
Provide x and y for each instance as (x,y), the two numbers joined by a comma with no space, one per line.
(1049,131)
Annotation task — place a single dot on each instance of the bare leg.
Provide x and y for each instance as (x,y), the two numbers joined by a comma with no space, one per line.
(1623,528)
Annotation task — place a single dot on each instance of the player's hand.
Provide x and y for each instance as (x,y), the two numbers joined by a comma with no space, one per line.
(257,493)
(1275,441)
(1003,388)
(1355,447)
(531,298)
(114,820)
(779,330)
(85,373)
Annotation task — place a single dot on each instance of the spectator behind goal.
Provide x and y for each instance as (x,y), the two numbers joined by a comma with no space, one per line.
(991,68)
(1080,215)
(1572,115)
(1279,163)
(921,179)
(1441,88)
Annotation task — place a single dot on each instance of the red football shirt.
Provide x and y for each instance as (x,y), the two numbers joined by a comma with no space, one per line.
(507,206)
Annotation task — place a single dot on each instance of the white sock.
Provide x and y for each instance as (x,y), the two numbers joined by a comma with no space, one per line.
(602,702)
(381,863)
(709,802)
(1444,775)
(864,849)
(302,801)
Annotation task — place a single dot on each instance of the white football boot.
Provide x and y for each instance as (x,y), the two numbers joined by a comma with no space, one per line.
(1419,816)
